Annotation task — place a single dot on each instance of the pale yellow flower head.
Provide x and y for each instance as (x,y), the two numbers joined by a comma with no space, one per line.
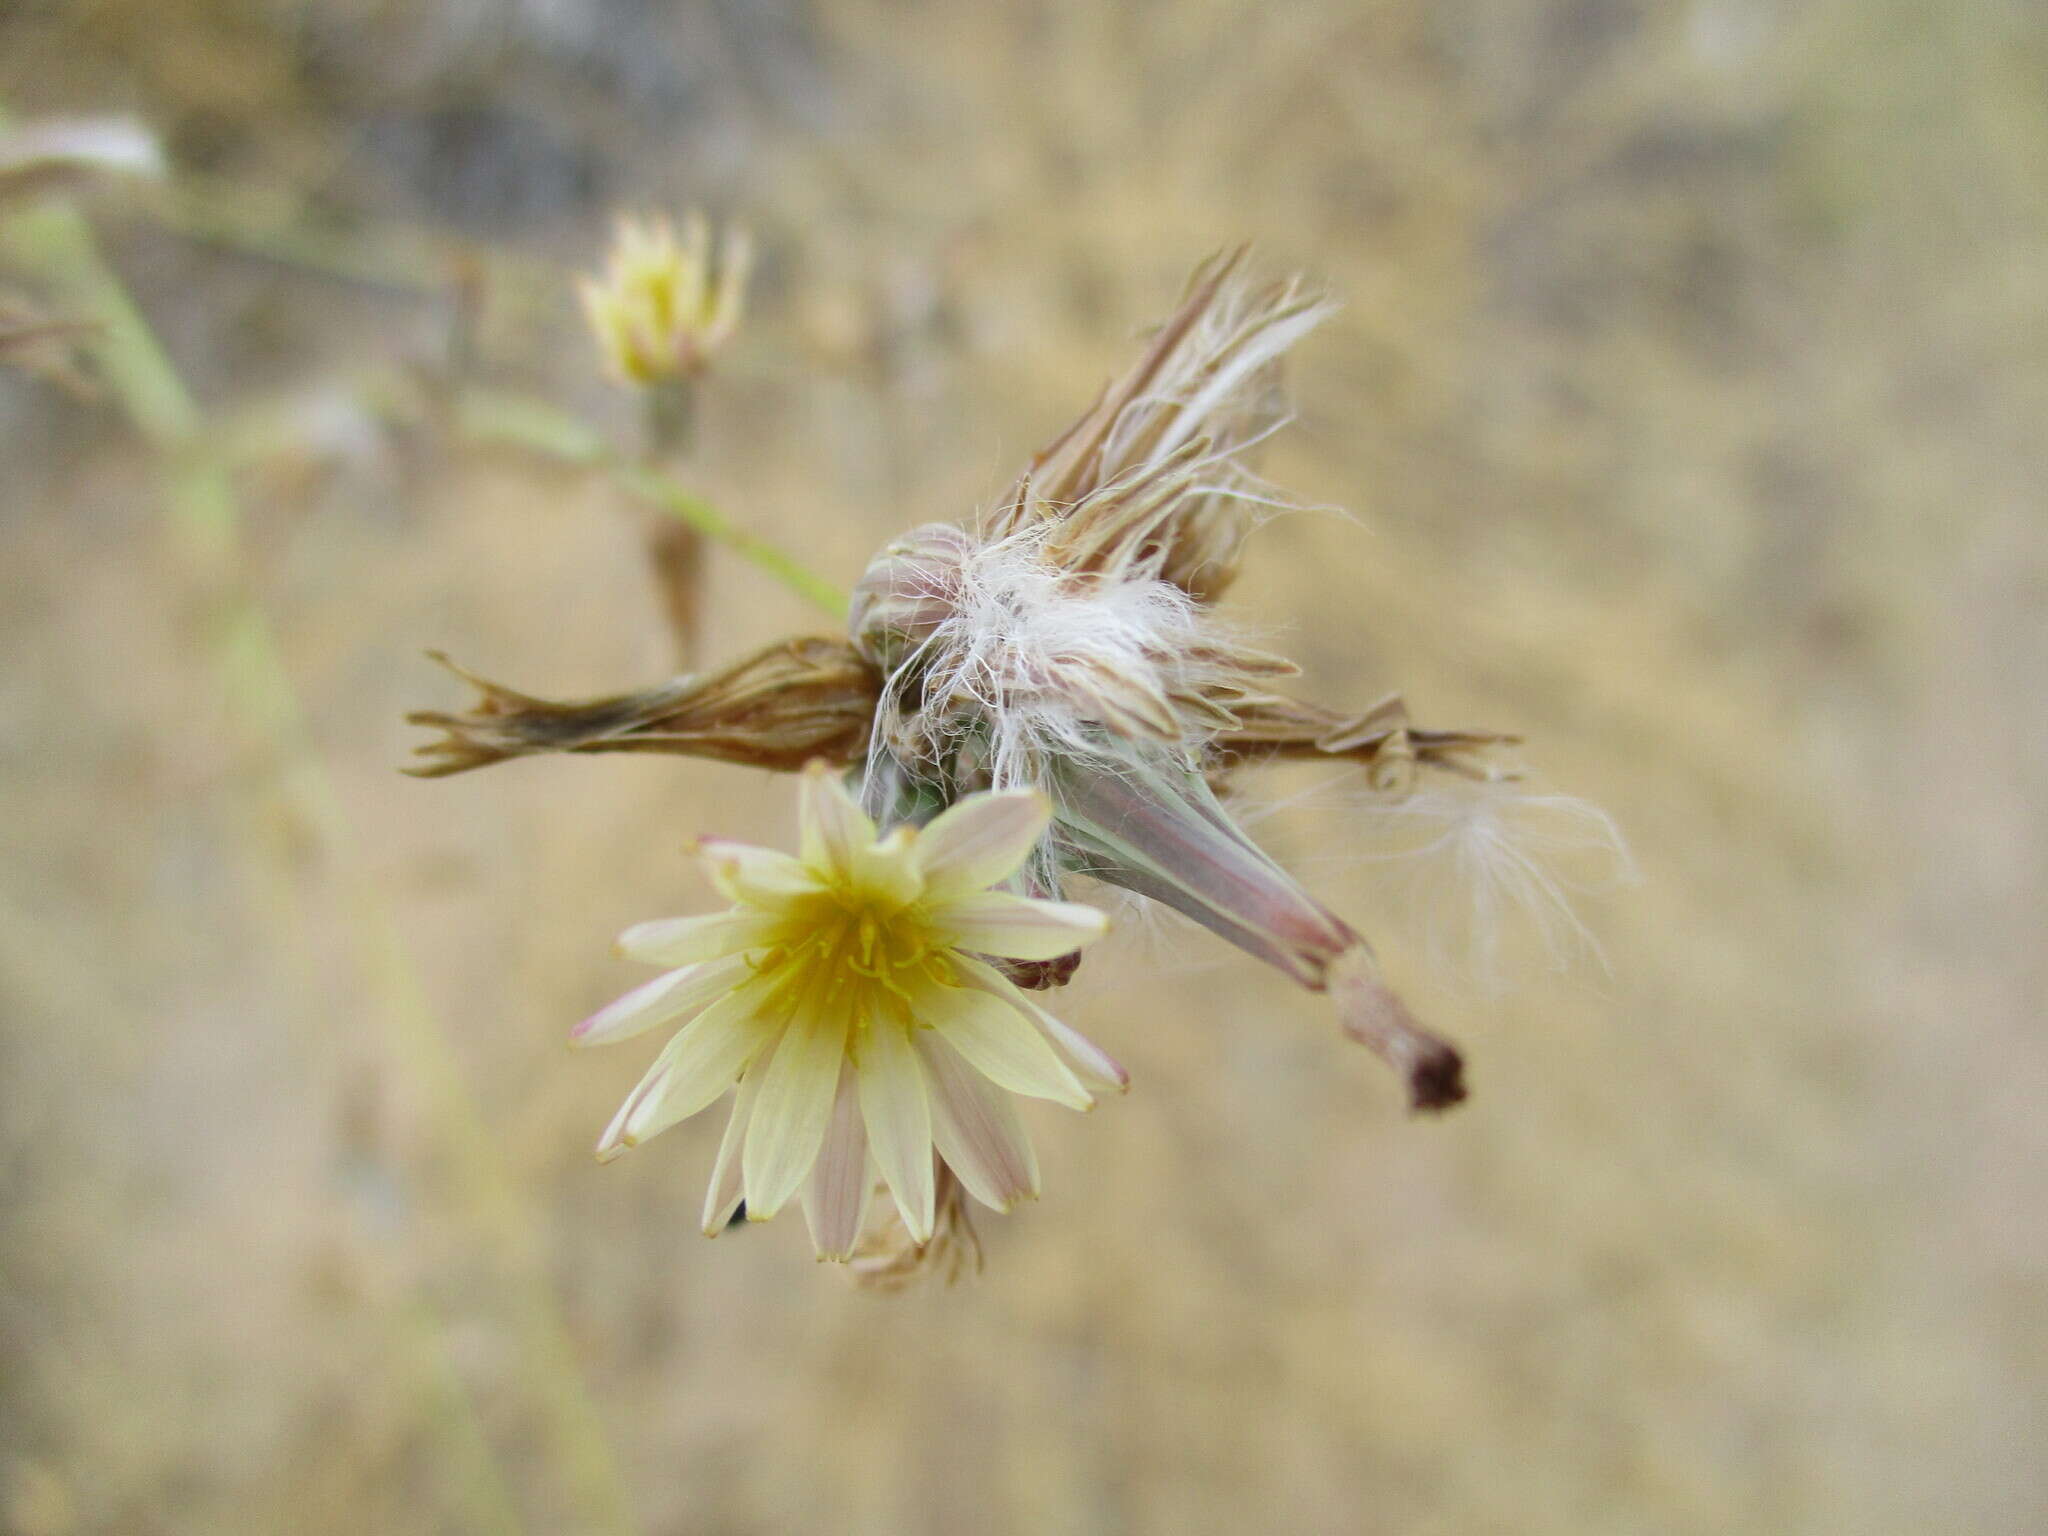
(844,997)
(663,308)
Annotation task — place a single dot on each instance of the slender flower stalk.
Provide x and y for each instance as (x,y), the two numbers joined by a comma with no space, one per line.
(660,312)
(845,1001)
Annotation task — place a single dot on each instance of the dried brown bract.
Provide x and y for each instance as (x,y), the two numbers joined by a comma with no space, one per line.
(780,708)
(888,1259)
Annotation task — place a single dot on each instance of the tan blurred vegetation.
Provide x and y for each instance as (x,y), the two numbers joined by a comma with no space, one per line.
(1690,397)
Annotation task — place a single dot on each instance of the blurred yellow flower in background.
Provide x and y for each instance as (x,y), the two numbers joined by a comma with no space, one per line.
(663,307)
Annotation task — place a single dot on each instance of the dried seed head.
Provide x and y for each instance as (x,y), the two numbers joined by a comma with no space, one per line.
(1162,464)
(1079,612)
(1001,659)
(1070,644)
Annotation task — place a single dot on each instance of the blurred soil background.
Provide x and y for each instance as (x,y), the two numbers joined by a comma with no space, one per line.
(1690,398)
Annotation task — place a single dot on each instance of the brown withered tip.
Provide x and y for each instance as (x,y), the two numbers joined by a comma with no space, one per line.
(1436,1081)
(1373,1014)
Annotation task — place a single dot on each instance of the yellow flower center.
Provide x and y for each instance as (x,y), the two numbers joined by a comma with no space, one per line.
(845,948)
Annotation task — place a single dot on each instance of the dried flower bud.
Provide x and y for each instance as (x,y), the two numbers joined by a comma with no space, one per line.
(908,590)
(1157,830)
(663,308)
(780,708)
(890,1259)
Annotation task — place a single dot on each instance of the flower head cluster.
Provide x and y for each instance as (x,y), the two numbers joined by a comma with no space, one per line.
(1041,694)
(846,1004)
(663,308)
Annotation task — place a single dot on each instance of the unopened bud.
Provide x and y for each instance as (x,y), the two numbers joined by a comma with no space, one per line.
(663,308)
(909,589)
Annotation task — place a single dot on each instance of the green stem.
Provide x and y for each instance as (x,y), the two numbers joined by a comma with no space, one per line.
(491,417)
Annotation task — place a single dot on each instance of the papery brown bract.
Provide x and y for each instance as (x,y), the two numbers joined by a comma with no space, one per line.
(782,707)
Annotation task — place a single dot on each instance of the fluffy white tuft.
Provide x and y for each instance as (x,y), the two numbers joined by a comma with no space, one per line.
(1470,863)
(1224,382)
(1032,661)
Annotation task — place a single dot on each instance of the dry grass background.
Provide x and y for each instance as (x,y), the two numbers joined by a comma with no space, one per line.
(1689,395)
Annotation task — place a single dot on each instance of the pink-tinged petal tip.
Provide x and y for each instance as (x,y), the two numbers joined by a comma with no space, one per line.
(981,841)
